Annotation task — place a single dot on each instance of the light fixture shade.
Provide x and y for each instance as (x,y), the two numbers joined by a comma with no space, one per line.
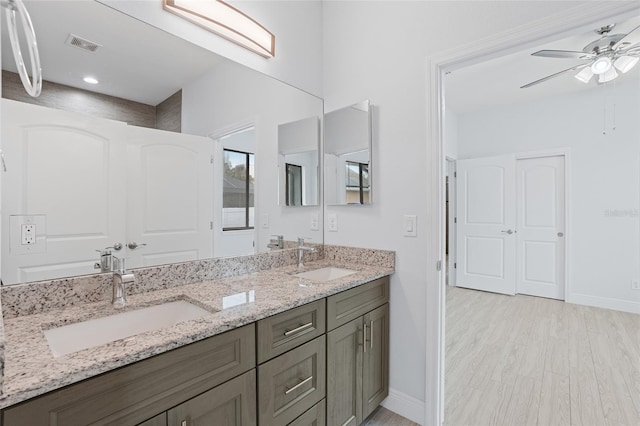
(226,21)
(584,75)
(612,74)
(625,63)
(601,65)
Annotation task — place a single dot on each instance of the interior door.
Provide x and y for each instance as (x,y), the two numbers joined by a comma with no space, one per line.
(486,242)
(169,197)
(541,226)
(47,149)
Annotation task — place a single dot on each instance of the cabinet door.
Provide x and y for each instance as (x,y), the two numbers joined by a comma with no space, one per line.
(315,416)
(375,363)
(231,404)
(159,420)
(344,374)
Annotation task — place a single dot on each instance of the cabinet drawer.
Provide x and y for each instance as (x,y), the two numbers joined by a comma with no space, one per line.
(351,304)
(285,331)
(315,416)
(292,383)
(134,393)
(230,404)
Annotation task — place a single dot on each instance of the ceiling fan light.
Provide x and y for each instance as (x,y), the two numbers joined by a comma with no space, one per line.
(625,63)
(608,76)
(584,75)
(601,65)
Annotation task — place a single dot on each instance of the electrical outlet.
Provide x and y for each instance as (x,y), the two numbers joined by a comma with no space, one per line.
(332,222)
(635,285)
(28,234)
(315,219)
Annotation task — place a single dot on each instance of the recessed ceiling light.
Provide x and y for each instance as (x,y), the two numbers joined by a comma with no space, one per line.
(90,80)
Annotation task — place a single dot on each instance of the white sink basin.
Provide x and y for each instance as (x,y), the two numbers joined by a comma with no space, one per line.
(100,331)
(325,274)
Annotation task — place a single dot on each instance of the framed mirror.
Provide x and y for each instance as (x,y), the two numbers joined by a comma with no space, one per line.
(347,155)
(169,157)
(298,154)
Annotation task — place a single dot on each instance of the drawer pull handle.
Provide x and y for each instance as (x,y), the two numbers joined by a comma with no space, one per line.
(308,379)
(371,333)
(364,338)
(295,330)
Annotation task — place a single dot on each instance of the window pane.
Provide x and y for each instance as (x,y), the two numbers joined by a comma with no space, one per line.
(353,175)
(234,195)
(251,186)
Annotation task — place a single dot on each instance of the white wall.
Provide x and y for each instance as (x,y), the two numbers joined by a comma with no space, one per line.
(296,24)
(604,177)
(231,96)
(450,133)
(377,50)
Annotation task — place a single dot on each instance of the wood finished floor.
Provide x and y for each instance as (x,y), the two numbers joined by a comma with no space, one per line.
(522,360)
(383,417)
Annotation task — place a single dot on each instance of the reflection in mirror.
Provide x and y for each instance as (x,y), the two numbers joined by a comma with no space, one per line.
(347,155)
(156,163)
(298,147)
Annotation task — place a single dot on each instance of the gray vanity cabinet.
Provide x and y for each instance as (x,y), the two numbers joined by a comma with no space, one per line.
(230,404)
(357,352)
(139,391)
(292,383)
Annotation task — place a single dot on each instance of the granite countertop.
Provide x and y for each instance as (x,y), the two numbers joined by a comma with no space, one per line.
(31,370)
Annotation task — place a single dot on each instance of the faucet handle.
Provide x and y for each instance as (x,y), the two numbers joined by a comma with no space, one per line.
(119,264)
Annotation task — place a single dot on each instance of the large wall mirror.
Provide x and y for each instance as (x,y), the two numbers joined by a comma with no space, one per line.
(143,145)
(347,155)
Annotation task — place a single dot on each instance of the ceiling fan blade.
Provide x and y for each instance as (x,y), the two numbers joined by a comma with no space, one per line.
(565,54)
(549,77)
(632,37)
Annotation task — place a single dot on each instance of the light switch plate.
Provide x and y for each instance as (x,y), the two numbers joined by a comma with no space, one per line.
(332,222)
(410,225)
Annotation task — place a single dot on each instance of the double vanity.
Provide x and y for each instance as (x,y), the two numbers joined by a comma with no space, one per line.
(258,343)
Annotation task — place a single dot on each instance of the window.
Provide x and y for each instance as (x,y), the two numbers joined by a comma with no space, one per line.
(357,182)
(294,185)
(237,192)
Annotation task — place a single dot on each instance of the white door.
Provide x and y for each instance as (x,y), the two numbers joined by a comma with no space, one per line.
(169,193)
(540,220)
(65,175)
(486,224)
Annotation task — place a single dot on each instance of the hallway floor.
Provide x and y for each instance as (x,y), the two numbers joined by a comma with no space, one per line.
(522,360)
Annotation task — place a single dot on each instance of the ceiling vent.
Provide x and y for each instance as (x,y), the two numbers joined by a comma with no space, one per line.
(82,43)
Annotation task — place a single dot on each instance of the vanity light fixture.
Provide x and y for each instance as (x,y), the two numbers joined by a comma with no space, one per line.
(90,80)
(226,21)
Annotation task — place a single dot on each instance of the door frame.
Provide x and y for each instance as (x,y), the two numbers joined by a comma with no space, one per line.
(576,18)
(566,153)
(451,165)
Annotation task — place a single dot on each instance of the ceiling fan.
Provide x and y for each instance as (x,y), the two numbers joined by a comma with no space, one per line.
(605,56)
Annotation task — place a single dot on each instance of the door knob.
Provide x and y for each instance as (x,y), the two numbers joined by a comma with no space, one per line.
(508,231)
(116,247)
(133,245)
(560,234)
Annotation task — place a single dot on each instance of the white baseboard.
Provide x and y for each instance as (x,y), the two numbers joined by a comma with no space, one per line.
(605,302)
(405,405)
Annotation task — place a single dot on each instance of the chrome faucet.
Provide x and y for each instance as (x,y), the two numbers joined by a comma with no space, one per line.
(276,243)
(301,249)
(120,278)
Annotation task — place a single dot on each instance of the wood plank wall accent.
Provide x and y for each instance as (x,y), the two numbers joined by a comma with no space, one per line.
(60,96)
(169,113)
